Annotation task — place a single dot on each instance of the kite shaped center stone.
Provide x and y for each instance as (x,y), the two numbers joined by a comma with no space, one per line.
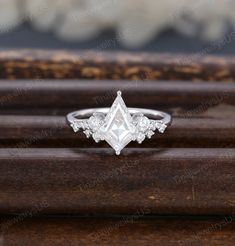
(119,129)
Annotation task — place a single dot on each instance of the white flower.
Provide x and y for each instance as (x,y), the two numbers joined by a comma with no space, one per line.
(11,14)
(44,14)
(135,21)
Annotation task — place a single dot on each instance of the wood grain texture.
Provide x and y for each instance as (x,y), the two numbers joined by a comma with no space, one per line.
(58,97)
(63,179)
(123,231)
(95,181)
(58,64)
(53,131)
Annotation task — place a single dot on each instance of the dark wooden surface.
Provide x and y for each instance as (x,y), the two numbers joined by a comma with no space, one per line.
(67,94)
(16,64)
(48,171)
(53,97)
(133,230)
(94,181)
(53,131)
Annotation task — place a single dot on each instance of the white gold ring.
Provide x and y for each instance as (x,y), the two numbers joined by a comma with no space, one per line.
(119,125)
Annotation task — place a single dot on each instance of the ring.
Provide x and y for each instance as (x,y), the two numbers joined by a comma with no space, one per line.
(119,125)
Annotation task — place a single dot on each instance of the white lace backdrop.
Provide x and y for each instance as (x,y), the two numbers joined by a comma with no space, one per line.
(135,21)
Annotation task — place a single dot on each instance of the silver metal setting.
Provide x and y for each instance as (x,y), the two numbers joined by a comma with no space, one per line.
(119,125)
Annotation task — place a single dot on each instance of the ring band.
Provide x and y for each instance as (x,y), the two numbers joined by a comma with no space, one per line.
(119,125)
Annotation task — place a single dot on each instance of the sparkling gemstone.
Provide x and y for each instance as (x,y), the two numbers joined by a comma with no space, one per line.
(87,133)
(143,123)
(75,127)
(161,127)
(95,122)
(140,137)
(150,134)
(119,129)
(96,136)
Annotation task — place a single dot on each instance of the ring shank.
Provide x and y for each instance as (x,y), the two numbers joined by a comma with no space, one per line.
(86,113)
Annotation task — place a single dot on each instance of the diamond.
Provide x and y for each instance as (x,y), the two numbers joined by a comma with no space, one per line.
(97,137)
(140,137)
(95,122)
(143,123)
(150,134)
(161,127)
(118,131)
(75,127)
(87,133)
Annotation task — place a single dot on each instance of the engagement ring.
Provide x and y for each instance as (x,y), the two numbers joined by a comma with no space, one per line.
(119,125)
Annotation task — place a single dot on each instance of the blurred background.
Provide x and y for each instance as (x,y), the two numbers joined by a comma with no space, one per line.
(202,26)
